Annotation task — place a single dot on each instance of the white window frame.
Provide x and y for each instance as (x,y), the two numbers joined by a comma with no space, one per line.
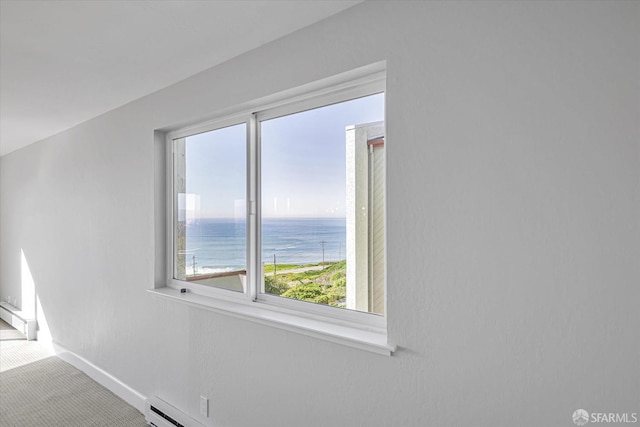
(362,330)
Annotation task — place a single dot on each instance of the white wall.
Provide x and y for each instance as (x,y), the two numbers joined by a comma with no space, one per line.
(513,235)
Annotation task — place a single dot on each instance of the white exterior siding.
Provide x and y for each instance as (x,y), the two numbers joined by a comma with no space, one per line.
(365,218)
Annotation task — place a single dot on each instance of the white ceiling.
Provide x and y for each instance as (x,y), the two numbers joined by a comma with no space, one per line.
(64,62)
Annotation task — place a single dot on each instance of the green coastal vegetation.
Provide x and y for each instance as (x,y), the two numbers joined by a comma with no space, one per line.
(320,283)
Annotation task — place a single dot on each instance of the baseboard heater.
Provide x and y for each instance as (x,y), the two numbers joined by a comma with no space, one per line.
(13,316)
(159,413)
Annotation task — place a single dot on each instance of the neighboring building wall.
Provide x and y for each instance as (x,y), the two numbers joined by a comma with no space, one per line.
(365,218)
(512,211)
(377,230)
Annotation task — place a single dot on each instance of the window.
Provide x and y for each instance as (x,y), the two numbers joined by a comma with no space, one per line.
(318,183)
(209,208)
(284,206)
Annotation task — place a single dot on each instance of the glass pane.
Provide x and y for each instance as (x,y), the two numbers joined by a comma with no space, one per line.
(210,208)
(323,205)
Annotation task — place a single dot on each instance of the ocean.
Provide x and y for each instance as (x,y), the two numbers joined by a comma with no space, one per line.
(220,244)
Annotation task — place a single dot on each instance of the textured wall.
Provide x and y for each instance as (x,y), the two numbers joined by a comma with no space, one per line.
(513,226)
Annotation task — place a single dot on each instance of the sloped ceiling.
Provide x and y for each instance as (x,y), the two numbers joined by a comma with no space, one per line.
(64,62)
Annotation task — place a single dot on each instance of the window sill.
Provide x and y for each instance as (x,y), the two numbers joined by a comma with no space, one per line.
(289,320)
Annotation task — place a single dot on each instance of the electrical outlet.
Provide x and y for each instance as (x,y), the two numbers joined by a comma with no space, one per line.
(204,406)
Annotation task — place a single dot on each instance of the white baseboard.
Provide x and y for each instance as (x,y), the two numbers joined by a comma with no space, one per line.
(102,377)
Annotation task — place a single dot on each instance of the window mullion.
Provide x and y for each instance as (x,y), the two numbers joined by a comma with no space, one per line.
(253,207)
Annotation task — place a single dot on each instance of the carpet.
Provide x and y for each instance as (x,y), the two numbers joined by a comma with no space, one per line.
(39,389)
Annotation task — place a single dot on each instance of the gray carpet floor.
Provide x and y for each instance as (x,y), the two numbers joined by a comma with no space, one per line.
(39,389)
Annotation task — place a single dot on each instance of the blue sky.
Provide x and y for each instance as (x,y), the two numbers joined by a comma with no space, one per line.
(216,171)
(303,162)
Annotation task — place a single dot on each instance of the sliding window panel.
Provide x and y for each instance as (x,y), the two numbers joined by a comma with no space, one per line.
(317,211)
(210,215)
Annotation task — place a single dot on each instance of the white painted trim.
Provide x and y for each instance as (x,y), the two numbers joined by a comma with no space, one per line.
(372,340)
(354,90)
(359,76)
(102,377)
(254,231)
(215,124)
